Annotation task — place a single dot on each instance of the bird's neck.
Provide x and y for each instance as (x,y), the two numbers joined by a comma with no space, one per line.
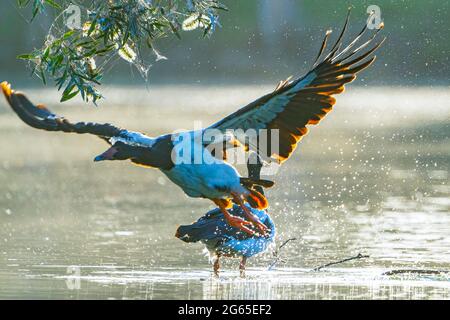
(157,156)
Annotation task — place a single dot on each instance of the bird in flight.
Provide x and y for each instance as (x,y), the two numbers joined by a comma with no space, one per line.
(288,110)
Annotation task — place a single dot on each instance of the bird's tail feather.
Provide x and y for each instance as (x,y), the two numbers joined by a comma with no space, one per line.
(251,182)
(208,227)
(191,233)
(183,233)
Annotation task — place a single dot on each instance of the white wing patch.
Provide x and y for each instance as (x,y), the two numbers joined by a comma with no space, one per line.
(133,139)
(261,116)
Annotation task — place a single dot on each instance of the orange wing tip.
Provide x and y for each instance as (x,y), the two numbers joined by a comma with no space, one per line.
(6,88)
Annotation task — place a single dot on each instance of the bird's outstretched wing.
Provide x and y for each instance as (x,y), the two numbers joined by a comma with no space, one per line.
(39,117)
(304,101)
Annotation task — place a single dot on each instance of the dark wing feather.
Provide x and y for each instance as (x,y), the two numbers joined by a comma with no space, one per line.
(305,101)
(39,117)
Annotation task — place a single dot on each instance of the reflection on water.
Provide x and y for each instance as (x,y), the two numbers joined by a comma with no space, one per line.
(360,182)
(285,283)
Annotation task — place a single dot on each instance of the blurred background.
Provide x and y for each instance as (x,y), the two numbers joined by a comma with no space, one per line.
(373,177)
(265,41)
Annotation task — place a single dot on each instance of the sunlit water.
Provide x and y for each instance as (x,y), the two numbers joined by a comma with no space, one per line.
(373,177)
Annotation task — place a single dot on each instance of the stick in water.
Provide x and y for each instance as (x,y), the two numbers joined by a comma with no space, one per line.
(415,271)
(358,256)
(276,254)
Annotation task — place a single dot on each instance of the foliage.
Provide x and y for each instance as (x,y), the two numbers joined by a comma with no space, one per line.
(76,57)
(38,5)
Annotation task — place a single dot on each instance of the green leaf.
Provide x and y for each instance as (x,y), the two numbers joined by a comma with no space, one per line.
(35,12)
(46,53)
(25,56)
(174,30)
(219,6)
(42,74)
(92,27)
(68,34)
(53,4)
(68,96)
(104,50)
(23,3)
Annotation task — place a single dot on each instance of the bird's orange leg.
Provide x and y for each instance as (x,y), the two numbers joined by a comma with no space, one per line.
(234,221)
(242,267)
(216,266)
(254,219)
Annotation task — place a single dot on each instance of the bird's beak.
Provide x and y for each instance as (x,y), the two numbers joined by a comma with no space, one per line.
(107,155)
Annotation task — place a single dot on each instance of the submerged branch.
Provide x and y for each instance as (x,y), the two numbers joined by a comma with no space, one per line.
(358,256)
(277,254)
(412,271)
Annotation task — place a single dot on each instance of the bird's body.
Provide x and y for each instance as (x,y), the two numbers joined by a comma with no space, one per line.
(199,173)
(287,111)
(223,240)
(211,181)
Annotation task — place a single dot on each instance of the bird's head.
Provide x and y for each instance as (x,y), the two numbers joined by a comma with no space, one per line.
(157,155)
(118,151)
